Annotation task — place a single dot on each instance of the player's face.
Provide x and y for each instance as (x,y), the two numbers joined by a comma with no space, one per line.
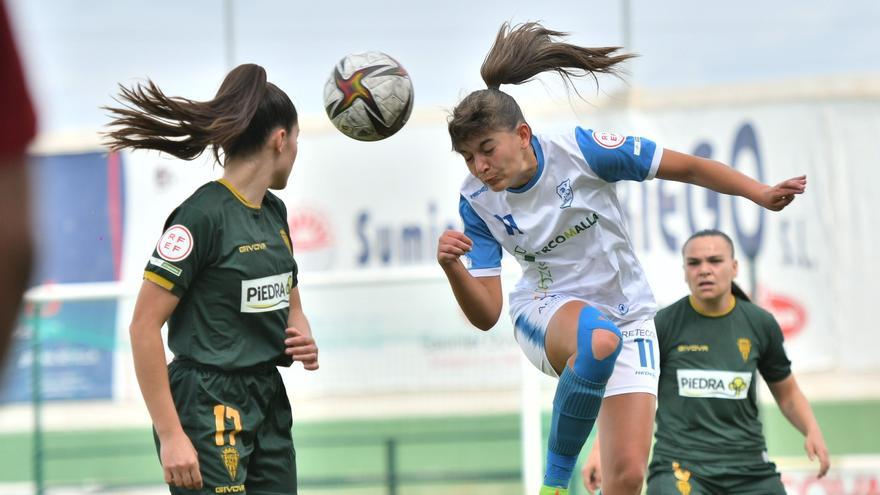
(709,268)
(501,159)
(285,161)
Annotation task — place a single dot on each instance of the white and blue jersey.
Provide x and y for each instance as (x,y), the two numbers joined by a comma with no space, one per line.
(565,226)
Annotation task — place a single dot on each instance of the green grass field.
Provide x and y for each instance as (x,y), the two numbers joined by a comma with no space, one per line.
(447,455)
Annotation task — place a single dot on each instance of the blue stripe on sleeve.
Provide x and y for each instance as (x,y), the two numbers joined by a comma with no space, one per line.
(486,251)
(632,160)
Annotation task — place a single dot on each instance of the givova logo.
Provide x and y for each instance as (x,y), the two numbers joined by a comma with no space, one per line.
(266,294)
(713,383)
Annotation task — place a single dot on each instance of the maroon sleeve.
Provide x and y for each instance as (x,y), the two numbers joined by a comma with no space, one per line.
(17,120)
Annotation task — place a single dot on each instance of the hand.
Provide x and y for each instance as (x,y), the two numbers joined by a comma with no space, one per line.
(301,347)
(781,195)
(592,472)
(452,246)
(180,461)
(815,447)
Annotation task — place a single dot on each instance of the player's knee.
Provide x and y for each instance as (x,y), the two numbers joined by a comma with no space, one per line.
(599,343)
(604,343)
(603,336)
(627,478)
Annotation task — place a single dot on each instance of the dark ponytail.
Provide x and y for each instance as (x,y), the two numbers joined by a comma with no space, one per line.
(520,53)
(237,121)
(738,292)
(735,289)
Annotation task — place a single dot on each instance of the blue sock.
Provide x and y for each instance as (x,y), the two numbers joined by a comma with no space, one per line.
(575,408)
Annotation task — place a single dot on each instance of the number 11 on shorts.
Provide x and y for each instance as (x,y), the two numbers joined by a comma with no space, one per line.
(221,414)
(646,351)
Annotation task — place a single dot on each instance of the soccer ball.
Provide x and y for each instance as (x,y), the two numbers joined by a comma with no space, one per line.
(368,96)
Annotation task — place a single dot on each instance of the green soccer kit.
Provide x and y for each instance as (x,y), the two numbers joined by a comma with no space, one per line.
(231,264)
(709,438)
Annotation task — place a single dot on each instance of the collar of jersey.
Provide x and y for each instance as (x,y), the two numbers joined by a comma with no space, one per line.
(703,312)
(539,154)
(237,194)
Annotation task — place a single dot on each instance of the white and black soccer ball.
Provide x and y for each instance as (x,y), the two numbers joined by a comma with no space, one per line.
(369,96)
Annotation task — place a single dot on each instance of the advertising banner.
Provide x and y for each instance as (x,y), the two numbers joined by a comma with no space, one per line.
(79,212)
(365,218)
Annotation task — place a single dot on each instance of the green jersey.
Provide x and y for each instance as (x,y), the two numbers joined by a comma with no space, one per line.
(231,264)
(707,408)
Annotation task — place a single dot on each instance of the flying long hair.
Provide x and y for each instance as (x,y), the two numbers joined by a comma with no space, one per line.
(237,121)
(520,53)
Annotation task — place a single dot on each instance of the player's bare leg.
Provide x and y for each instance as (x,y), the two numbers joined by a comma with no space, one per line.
(626,423)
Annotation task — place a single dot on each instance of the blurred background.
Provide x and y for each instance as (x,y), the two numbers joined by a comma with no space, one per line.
(410,399)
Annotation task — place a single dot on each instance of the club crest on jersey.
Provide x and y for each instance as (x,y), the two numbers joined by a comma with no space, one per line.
(564,191)
(608,140)
(745,347)
(175,244)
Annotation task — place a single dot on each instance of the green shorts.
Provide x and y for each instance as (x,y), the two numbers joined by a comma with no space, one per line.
(669,477)
(240,424)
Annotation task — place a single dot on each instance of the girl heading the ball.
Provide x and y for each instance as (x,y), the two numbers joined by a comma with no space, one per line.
(582,310)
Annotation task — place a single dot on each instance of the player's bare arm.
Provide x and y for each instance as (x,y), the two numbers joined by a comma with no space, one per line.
(299,343)
(796,409)
(719,177)
(179,460)
(480,298)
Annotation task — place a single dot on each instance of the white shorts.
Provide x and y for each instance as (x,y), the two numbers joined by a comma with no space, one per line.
(637,368)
